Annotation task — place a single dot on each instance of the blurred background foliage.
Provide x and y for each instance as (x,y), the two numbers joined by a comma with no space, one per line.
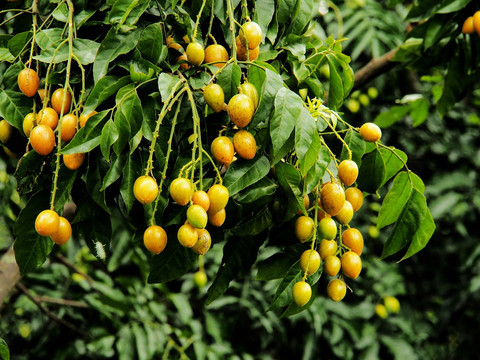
(99,311)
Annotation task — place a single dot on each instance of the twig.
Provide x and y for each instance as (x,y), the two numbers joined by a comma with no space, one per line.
(65,302)
(51,316)
(71,266)
(374,68)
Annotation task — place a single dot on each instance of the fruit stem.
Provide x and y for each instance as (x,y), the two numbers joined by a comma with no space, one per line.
(197,131)
(199,15)
(166,108)
(219,176)
(314,237)
(65,89)
(232,29)
(209,32)
(167,157)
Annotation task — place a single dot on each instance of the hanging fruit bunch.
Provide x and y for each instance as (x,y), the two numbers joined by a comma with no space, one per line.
(200,126)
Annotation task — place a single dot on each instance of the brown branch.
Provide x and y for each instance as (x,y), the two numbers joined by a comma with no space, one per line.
(50,315)
(9,274)
(73,267)
(374,68)
(65,302)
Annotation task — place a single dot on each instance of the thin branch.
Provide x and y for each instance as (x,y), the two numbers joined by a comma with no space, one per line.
(50,315)
(71,266)
(374,68)
(64,302)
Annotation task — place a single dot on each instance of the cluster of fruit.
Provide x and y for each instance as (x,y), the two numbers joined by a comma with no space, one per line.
(247,45)
(390,305)
(337,250)
(358,99)
(40,129)
(472,24)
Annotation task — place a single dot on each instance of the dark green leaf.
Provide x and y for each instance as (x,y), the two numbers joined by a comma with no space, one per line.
(289,179)
(394,160)
(307,141)
(115,170)
(317,171)
(107,139)
(14,106)
(301,16)
(97,169)
(126,12)
(229,80)
(131,171)
(372,172)
(166,84)
(4,351)
(335,91)
(356,145)
(422,235)
(97,232)
(104,88)
(258,223)
(283,295)
(242,173)
(151,43)
(262,187)
(17,43)
(275,267)
(269,90)
(66,179)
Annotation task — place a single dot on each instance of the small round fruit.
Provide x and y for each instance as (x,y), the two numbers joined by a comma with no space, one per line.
(6,131)
(29,123)
(145,189)
(240,110)
(327,248)
(84,118)
(312,258)
(217,218)
(332,198)
(42,139)
(476,21)
(336,289)
(302,292)
(73,161)
(187,235)
(244,144)
(372,92)
(351,264)
(321,213)
(48,116)
(195,53)
(216,54)
(222,149)
(251,91)
(304,228)
(355,197)
(200,279)
(332,265)
(348,172)
(47,223)
(197,216)
(327,229)
(353,105)
(391,304)
(28,82)
(353,238)
(214,97)
(253,34)
(201,198)
(62,235)
(57,99)
(381,311)
(181,191)
(242,51)
(69,127)
(218,195)
(345,215)
(203,243)
(155,239)
(370,132)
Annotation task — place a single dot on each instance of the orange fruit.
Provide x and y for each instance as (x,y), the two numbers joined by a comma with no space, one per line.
(245,145)
(214,97)
(240,109)
(84,118)
(183,61)
(201,198)
(203,243)
(69,127)
(28,82)
(327,248)
(29,123)
(47,223)
(73,161)
(181,191)
(332,198)
(145,189)
(251,32)
(42,139)
(57,99)
(172,44)
(348,172)
(351,264)
(155,239)
(218,195)
(216,54)
(353,239)
(370,132)
(304,228)
(217,218)
(355,197)
(48,116)
(332,265)
(242,51)
(476,22)
(222,149)
(62,235)
(468,27)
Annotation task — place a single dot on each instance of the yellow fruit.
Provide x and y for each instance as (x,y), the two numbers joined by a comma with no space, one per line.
(214,97)
(145,189)
(391,304)
(222,149)
(197,216)
(62,235)
(355,197)
(218,195)
(195,53)
(28,82)
(304,228)
(187,235)
(336,289)
(332,265)
(200,279)
(312,258)
(203,243)
(216,54)
(155,239)
(181,191)
(47,223)
(244,144)
(251,91)
(6,131)
(73,161)
(29,123)
(381,311)
(345,214)
(327,248)
(302,292)
(201,198)
(252,32)
(240,110)
(332,198)
(370,132)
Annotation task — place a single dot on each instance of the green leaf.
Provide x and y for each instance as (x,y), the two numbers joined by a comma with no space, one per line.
(14,106)
(264,11)
(107,139)
(395,200)
(131,171)
(151,43)
(115,170)
(288,108)
(127,12)
(289,179)
(394,160)
(4,351)
(255,225)
(453,87)
(275,267)
(66,179)
(174,261)
(335,92)
(407,224)
(268,92)
(316,172)
(283,295)
(31,249)
(392,115)
(128,117)
(166,83)
(104,88)
(229,80)
(124,343)
(356,145)
(243,173)
(140,341)
(113,45)
(307,141)
(18,41)
(284,11)
(263,187)
(96,171)
(419,112)
(301,17)
(371,174)
(422,235)
(97,232)
(239,254)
